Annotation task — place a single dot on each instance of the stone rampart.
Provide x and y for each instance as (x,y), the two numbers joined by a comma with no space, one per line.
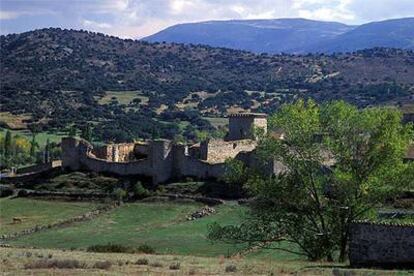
(163,160)
(217,151)
(382,245)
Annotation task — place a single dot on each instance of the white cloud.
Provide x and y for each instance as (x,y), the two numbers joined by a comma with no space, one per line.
(138,18)
(95,25)
(5,15)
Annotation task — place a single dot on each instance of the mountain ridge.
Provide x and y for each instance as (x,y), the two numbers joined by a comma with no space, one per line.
(292,35)
(57,78)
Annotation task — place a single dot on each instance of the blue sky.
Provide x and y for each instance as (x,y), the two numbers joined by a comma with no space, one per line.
(139,18)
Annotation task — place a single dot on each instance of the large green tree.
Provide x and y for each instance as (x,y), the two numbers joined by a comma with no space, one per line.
(340,163)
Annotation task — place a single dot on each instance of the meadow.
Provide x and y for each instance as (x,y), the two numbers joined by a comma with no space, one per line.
(37,212)
(181,246)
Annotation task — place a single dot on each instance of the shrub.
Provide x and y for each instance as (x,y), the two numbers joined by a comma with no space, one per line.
(102,265)
(68,264)
(156,264)
(231,268)
(146,249)
(140,191)
(6,191)
(142,261)
(175,266)
(119,194)
(111,248)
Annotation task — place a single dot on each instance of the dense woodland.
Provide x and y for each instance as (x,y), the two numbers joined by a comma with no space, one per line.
(58,77)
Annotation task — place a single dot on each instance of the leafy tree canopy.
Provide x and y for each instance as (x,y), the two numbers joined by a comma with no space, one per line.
(340,163)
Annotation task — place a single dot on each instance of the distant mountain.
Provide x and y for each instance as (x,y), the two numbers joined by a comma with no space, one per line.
(271,36)
(291,35)
(396,33)
(128,89)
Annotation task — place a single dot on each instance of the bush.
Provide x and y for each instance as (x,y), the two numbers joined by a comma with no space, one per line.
(142,261)
(119,194)
(175,266)
(111,248)
(68,264)
(231,268)
(102,265)
(146,249)
(140,191)
(118,248)
(6,191)
(156,264)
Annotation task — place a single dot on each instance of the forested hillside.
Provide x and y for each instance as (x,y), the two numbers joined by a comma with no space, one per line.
(134,89)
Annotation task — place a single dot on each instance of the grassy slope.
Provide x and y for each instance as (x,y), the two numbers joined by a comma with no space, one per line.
(37,212)
(161,225)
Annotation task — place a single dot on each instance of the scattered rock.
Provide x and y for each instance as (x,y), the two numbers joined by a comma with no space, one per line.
(205,211)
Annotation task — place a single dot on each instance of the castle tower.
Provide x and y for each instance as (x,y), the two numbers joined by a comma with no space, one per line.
(243,125)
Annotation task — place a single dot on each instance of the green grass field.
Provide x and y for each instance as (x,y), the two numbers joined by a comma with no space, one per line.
(37,212)
(160,225)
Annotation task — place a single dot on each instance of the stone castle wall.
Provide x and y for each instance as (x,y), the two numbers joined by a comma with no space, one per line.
(217,151)
(381,245)
(164,161)
(120,152)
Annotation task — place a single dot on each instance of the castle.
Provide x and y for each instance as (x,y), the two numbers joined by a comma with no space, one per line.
(164,160)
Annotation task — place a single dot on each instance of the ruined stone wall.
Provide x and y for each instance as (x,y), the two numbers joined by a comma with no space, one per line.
(217,151)
(186,165)
(91,163)
(164,160)
(115,152)
(381,245)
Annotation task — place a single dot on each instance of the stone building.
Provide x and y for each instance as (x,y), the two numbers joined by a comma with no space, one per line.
(243,125)
(163,160)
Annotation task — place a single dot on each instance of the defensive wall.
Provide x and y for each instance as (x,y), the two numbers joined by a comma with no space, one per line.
(381,245)
(162,160)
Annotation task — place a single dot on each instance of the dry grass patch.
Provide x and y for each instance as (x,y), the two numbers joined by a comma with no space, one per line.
(17,261)
(14,121)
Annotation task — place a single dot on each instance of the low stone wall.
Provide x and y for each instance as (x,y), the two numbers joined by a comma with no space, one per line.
(381,245)
(68,195)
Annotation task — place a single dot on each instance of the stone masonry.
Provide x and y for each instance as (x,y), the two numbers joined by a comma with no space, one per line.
(162,160)
(382,245)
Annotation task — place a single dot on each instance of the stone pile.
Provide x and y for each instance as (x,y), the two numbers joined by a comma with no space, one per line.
(205,211)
